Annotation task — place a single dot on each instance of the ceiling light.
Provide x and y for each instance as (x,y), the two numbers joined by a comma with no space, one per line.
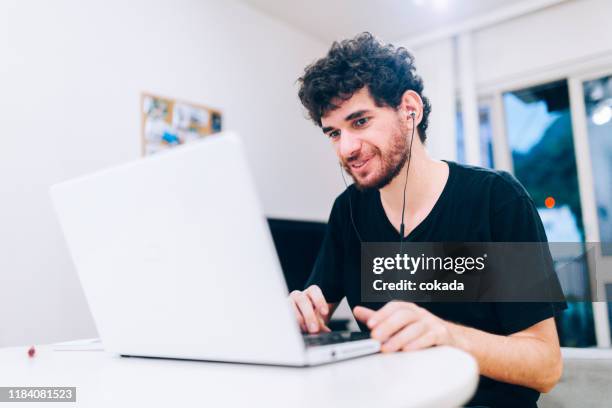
(440,5)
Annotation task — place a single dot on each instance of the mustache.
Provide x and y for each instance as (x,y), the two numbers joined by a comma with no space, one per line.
(363,153)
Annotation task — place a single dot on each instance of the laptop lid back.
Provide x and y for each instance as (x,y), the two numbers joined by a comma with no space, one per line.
(176,259)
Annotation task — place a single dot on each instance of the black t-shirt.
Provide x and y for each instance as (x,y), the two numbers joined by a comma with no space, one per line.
(476,205)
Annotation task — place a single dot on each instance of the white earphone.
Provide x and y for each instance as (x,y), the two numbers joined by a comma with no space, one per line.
(411,114)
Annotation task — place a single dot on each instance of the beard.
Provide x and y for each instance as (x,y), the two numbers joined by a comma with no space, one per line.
(392,159)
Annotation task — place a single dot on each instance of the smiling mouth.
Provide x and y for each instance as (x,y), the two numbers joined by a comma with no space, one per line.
(359,164)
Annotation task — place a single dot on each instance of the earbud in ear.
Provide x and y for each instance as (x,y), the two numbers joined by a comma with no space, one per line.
(409,115)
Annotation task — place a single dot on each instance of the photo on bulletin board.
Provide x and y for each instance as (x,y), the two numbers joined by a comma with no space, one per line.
(168,122)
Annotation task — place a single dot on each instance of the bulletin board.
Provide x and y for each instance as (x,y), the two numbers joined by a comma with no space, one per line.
(168,122)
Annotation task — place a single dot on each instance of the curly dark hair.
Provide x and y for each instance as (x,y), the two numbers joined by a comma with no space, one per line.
(350,65)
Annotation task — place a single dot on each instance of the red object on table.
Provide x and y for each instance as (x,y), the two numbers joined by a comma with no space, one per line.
(31,351)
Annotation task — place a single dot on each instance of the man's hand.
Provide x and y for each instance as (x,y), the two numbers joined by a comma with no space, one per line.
(404,326)
(311,309)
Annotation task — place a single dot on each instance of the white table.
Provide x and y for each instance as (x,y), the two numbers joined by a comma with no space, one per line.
(437,377)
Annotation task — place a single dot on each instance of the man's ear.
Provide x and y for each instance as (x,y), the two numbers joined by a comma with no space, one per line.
(411,102)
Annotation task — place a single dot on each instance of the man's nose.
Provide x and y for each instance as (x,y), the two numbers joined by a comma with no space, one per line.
(349,145)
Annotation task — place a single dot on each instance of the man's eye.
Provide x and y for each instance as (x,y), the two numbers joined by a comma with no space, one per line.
(361,122)
(334,134)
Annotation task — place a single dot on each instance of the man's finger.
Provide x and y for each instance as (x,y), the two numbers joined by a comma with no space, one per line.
(323,326)
(386,311)
(307,310)
(362,313)
(317,298)
(424,341)
(298,316)
(403,337)
(393,323)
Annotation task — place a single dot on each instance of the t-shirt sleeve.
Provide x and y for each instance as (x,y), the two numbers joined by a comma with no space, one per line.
(516,219)
(327,271)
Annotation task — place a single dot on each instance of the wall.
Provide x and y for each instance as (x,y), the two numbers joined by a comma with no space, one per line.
(71,74)
(551,39)
(435,63)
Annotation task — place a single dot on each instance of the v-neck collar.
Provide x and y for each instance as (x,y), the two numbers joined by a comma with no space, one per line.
(423,224)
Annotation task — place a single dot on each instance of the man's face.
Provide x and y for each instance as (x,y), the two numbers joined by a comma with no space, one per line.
(370,141)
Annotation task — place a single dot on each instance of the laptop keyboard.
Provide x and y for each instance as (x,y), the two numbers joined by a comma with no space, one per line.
(324,339)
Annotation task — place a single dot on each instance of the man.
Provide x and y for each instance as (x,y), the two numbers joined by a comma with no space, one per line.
(369,102)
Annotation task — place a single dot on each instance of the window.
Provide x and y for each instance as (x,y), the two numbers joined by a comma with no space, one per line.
(485,135)
(598,104)
(539,131)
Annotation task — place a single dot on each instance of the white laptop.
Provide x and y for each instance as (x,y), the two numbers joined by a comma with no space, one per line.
(176,260)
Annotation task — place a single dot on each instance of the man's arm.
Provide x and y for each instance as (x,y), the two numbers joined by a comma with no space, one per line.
(531,357)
